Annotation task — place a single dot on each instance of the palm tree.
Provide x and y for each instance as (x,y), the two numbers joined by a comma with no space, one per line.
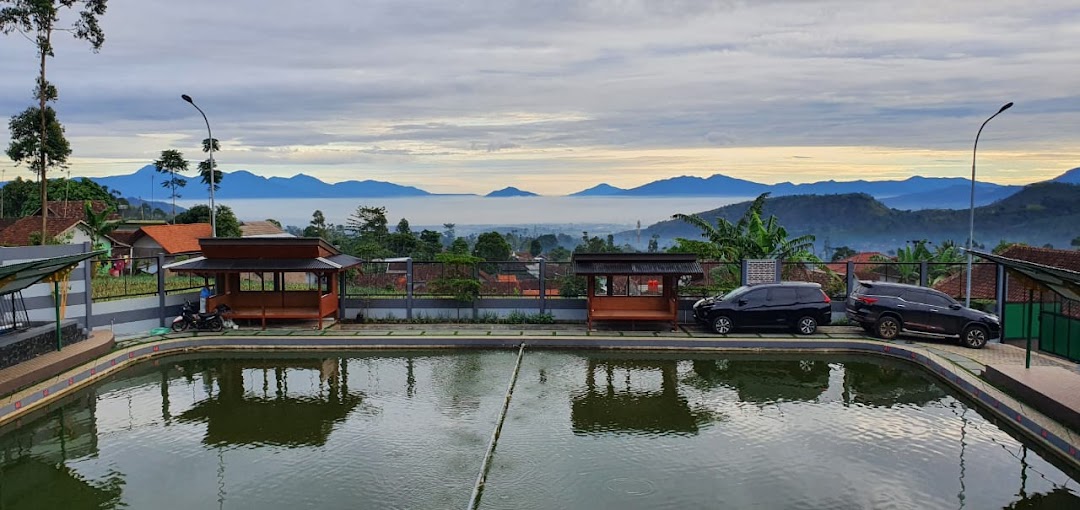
(99,223)
(750,238)
(942,262)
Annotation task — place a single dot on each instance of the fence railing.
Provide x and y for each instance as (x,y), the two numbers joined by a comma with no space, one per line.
(126,277)
(557,279)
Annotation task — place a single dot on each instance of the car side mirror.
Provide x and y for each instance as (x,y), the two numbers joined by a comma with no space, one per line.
(742,302)
(955,306)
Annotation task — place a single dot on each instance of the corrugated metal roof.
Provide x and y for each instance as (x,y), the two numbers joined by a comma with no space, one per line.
(16,277)
(204,265)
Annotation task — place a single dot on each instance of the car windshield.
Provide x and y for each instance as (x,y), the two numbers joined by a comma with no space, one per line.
(735,293)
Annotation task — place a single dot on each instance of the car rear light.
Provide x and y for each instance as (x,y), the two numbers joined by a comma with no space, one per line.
(866,300)
(827,299)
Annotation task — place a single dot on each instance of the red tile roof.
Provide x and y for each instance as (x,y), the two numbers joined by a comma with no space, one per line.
(76,209)
(865,264)
(984,276)
(175,239)
(18,233)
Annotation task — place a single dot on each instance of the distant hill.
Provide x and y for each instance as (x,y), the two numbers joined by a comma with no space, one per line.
(1071,177)
(146,183)
(134,204)
(511,191)
(600,190)
(1037,214)
(952,197)
(717,185)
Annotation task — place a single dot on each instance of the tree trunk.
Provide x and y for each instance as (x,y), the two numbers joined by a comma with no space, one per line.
(44,136)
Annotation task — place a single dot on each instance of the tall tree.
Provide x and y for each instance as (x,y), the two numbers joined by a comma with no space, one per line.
(171,162)
(40,18)
(22,197)
(368,222)
(448,234)
(227,224)
(204,166)
(26,141)
(317,227)
(492,246)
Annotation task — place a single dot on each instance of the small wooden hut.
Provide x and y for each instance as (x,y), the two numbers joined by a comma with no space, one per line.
(264,278)
(634,286)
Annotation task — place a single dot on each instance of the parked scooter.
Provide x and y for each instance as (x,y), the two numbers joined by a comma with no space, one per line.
(191,318)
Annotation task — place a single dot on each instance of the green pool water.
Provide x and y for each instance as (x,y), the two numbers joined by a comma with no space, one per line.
(583,430)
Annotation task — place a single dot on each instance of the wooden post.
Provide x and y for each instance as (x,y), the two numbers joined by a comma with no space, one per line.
(56,295)
(262,297)
(589,291)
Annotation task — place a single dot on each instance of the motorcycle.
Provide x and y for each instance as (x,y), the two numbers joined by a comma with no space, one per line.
(191,318)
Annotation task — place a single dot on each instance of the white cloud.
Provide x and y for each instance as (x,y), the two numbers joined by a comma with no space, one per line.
(408,87)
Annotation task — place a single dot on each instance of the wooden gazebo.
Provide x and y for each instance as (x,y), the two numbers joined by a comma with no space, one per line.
(264,278)
(634,286)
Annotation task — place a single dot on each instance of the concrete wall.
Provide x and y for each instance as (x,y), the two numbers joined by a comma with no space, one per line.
(134,316)
(125,317)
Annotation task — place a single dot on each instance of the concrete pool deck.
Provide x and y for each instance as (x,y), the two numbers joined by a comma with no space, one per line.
(960,368)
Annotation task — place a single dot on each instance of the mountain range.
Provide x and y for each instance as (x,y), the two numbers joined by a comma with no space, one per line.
(913,193)
(146,183)
(1040,213)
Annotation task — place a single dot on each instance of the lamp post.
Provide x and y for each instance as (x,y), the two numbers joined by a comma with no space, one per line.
(971,210)
(213,171)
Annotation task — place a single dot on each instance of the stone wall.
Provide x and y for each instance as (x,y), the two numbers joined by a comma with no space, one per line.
(24,345)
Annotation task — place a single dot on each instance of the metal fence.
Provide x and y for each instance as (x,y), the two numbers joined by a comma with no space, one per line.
(557,279)
(125,277)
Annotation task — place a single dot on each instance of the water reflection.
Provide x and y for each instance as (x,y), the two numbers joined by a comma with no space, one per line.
(771,432)
(765,381)
(887,384)
(34,473)
(623,402)
(1059,498)
(235,416)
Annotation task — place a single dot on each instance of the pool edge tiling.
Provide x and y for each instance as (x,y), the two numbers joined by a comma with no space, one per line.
(1054,437)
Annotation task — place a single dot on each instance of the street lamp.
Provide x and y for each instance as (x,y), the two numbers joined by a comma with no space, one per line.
(971,210)
(213,172)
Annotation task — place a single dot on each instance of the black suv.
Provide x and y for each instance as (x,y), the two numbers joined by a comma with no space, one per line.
(884,309)
(799,305)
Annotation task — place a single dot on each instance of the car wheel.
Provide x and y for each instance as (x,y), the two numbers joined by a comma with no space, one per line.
(722,324)
(179,326)
(807,325)
(974,337)
(887,328)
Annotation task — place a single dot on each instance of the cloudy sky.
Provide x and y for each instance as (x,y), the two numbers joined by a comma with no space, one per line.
(556,96)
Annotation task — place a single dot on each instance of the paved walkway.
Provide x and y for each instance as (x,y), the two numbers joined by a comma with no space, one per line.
(49,364)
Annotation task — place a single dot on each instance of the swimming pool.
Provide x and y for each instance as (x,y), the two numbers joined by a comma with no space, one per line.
(583,430)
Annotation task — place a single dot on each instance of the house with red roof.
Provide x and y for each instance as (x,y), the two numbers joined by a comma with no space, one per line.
(866,265)
(66,224)
(984,276)
(171,240)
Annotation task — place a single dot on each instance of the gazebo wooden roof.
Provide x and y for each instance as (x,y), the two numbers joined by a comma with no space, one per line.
(657,302)
(227,258)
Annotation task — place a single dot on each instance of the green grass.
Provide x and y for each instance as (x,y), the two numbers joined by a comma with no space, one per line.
(107,288)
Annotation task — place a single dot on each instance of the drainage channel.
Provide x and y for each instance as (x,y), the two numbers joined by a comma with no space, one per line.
(481,478)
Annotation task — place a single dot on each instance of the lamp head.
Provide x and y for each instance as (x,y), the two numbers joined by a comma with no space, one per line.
(187,98)
(1006,107)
